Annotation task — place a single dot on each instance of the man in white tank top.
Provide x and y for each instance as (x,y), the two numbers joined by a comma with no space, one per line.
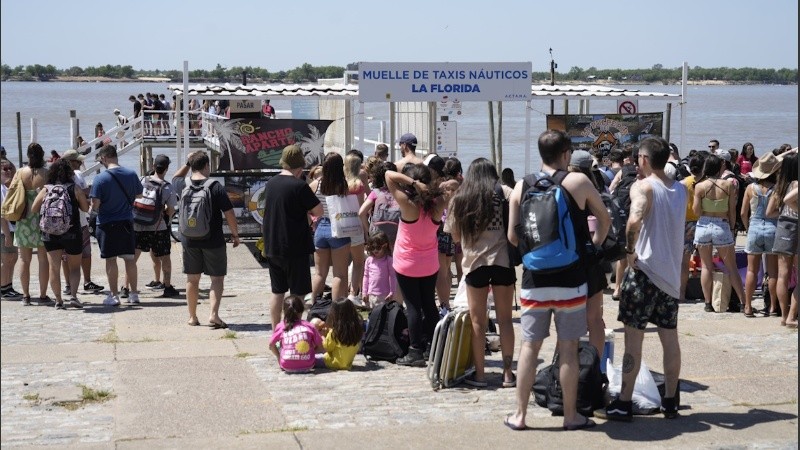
(650,288)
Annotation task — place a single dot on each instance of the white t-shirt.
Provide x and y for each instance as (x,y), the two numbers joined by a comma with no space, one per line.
(81,184)
(3,193)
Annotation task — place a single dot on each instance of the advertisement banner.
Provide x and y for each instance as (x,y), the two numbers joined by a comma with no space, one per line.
(247,144)
(433,82)
(247,196)
(607,131)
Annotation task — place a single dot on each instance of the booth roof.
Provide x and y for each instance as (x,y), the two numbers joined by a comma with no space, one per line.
(345,91)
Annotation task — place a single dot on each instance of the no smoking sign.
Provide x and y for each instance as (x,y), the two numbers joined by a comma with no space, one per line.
(627,106)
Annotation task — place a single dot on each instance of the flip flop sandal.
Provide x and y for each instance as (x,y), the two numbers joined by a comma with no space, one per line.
(584,426)
(514,427)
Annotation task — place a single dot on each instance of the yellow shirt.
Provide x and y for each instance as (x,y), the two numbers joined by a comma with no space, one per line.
(689,183)
(338,356)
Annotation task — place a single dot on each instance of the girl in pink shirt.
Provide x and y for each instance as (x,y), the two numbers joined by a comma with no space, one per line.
(380,281)
(299,340)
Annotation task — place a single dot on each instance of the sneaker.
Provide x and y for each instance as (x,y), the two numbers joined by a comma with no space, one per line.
(11,294)
(125,293)
(470,380)
(26,301)
(90,286)
(155,285)
(709,308)
(413,358)
(133,298)
(170,291)
(669,407)
(616,410)
(60,305)
(44,300)
(111,300)
(75,303)
(356,299)
(67,290)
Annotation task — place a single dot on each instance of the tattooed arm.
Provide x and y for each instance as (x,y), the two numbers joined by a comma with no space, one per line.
(641,198)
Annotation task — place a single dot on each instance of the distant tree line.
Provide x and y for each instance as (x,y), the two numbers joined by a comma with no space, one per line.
(309,73)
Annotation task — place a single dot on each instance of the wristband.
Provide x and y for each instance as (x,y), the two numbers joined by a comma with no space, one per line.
(630,252)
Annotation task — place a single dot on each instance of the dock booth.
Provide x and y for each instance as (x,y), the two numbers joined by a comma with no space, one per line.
(329,116)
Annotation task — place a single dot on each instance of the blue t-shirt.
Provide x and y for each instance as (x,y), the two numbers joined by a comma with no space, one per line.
(116,205)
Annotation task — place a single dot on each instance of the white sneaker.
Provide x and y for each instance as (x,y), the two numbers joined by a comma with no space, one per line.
(133,297)
(356,299)
(111,300)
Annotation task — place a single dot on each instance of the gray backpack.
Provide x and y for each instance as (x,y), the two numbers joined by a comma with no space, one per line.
(194,215)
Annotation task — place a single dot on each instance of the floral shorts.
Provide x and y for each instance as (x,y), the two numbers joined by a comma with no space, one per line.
(642,302)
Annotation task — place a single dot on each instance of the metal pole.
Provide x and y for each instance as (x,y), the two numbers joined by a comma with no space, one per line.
(393,130)
(181,157)
(553,66)
(684,80)
(667,121)
(73,129)
(361,126)
(34,134)
(527,138)
(19,137)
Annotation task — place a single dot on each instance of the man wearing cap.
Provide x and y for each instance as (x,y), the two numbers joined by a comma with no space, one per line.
(75,161)
(408,148)
(288,201)
(156,238)
(112,194)
(208,255)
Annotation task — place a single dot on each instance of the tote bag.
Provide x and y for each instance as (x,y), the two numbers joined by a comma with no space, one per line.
(15,205)
(343,212)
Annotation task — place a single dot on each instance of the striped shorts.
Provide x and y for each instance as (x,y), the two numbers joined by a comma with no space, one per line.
(567,305)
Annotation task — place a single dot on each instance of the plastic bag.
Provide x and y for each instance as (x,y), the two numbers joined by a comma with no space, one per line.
(646,399)
(343,213)
(460,300)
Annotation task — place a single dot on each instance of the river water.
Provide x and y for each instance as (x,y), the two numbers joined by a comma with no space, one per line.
(767,116)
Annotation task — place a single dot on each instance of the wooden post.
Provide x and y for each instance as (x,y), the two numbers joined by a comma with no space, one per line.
(499,137)
(73,129)
(667,121)
(19,138)
(492,147)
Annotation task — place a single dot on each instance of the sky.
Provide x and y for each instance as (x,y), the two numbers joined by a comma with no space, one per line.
(626,34)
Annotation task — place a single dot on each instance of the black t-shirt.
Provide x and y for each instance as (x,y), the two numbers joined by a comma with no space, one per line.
(137,108)
(286,204)
(219,204)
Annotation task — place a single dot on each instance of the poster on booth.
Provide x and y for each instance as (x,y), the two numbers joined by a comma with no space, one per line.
(606,132)
(447,139)
(246,192)
(252,144)
(433,82)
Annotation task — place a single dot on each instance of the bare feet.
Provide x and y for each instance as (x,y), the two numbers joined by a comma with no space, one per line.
(791,324)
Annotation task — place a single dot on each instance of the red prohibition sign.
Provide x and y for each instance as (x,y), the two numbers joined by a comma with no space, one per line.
(627,107)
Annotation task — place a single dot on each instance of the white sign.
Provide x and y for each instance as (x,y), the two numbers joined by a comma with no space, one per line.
(243,105)
(627,106)
(434,82)
(305,109)
(446,139)
(448,109)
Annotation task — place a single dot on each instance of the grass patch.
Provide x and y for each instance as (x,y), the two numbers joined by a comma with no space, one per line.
(229,335)
(244,355)
(146,339)
(279,430)
(32,397)
(110,337)
(88,395)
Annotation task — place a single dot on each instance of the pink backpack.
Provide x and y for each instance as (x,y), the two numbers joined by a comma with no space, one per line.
(56,210)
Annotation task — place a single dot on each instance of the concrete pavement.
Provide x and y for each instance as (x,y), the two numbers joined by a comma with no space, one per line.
(175,386)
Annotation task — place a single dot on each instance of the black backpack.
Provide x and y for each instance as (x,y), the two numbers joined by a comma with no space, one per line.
(385,339)
(514,257)
(320,308)
(547,387)
(678,170)
(743,184)
(613,248)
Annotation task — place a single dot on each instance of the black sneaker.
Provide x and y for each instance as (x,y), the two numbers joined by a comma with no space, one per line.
(709,308)
(413,358)
(67,290)
(669,407)
(616,410)
(155,285)
(90,286)
(170,291)
(124,293)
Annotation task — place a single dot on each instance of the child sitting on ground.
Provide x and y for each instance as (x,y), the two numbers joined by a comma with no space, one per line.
(380,281)
(299,340)
(345,329)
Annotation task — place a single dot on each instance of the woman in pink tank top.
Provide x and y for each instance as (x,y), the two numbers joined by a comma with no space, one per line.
(416,259)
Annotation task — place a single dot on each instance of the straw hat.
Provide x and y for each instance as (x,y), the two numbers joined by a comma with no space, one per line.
(765,166)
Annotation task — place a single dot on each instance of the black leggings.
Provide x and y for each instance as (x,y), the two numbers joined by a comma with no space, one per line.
(419,295)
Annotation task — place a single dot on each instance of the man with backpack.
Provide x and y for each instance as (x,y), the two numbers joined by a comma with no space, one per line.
(650,290)
(553,284)
(151,217)
(202,205)
(113,193)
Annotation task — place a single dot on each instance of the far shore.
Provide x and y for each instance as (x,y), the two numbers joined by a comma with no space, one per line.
(256,81)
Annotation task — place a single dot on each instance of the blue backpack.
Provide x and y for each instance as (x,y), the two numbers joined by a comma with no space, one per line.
(546,234)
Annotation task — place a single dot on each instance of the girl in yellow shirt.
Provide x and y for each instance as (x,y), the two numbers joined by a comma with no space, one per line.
(342,341)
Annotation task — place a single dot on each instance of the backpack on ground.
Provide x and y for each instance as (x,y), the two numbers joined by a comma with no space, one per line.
(386,338)
(743,184)
(149,208)
(547,239)
(385,215)
(56,211)
(547,386)
(320,309)
(194,216)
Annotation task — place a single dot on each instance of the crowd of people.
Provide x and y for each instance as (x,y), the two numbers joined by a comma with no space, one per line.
(413,217)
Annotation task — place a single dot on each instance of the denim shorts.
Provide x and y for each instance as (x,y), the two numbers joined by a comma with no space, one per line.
(714,231)
(760,236)
(323,237)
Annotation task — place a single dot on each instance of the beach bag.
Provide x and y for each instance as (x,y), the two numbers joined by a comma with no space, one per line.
(514,257)
(15,205)
(386,338)
(622,193)
(343,212)
(194,216)
(385,215)
(149,208)
(591,390)
(320,309)
(56,211)
(547,240)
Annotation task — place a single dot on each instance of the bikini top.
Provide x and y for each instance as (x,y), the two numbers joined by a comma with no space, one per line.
(714,206)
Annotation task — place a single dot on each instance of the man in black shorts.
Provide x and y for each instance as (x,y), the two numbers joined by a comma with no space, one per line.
(650,289)
(287,234)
